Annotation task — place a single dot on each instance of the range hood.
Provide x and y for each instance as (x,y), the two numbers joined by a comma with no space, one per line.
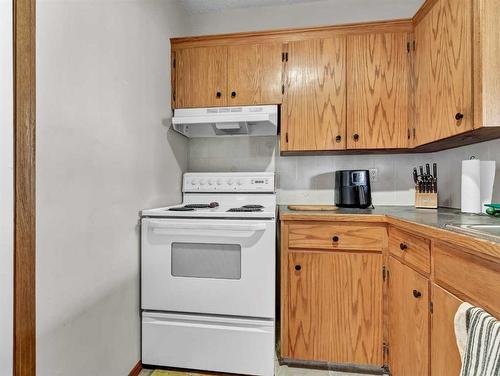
(226,121)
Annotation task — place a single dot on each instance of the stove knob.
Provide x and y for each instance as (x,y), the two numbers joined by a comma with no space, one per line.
(219,181)
(202,181)
(230,182)
(239,182)
(194,181)
(210,182)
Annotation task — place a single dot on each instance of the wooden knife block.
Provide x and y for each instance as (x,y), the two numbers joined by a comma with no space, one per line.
(426,200)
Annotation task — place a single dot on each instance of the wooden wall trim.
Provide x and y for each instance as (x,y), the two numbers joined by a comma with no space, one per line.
(136,370)
(288,35)
(423,10)
(24,188)
(477,63)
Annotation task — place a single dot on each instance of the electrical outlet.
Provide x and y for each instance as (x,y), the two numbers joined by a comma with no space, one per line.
(373,175)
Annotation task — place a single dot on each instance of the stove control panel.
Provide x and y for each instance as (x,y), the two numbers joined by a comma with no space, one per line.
(228,182)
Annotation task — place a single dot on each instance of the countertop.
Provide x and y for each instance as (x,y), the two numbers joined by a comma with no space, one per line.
(429,222)
(430,217)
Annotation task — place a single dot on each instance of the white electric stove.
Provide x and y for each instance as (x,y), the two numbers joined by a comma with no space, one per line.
(208,276)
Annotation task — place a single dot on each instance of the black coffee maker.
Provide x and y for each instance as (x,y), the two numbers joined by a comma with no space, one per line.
(352,189)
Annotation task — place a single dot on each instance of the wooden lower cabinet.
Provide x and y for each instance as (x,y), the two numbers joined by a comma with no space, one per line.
(408,305)
(334,307)
(445,358)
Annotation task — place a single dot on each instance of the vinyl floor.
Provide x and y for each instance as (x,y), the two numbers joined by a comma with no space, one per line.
(280,371)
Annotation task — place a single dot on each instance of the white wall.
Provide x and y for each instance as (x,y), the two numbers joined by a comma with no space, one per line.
(103,153)
(307,179)
(450,162)
(310,179)
(312,13)
(6,187)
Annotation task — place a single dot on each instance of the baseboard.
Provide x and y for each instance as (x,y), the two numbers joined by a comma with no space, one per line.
(136,370)
(339,367)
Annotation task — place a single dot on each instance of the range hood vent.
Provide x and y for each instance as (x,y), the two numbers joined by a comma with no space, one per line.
(226,121)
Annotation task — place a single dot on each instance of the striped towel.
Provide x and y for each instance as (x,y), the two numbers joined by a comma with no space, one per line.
(478,340)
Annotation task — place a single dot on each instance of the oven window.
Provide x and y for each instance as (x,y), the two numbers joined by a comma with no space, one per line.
(206,260)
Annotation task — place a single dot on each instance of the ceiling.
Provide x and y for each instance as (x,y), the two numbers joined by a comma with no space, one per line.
(204,6)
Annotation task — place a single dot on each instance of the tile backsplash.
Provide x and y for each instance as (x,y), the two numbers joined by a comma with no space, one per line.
(310,179)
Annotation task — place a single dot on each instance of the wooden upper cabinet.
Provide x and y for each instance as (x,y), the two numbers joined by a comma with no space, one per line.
(377,91)
(236,75)
(313,114)
(445,357)
(443,71)
(408,300)
(200,74)
(334,303)
(254,74)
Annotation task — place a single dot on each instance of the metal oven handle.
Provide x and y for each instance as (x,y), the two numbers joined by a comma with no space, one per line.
(159,227)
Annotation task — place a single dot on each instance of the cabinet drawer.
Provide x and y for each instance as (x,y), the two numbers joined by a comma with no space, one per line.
(413,249)
(468,275)
(364,237)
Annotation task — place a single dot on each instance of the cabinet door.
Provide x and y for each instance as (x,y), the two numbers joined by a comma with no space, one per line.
(377,91)
(445,358)
(335,307)
(314,106)
(443,71)
(254,74)
(201,77)
(408,301)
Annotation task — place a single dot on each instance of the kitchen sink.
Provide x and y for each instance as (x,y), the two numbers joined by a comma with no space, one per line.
(490,232)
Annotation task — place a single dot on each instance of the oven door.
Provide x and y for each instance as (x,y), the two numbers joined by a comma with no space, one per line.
(209,266)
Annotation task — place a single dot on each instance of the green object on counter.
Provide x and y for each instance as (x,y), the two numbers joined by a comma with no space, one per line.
(493,211)
(494,206)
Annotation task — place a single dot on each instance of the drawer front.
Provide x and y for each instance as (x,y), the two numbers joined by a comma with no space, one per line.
(218,343)
(361,237)
(465,274)
(413,249)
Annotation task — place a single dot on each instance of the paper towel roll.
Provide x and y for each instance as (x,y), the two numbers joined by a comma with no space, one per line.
(487,181)
(471,186)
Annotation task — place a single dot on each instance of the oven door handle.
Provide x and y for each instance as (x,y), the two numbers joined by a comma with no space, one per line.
(176,228)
